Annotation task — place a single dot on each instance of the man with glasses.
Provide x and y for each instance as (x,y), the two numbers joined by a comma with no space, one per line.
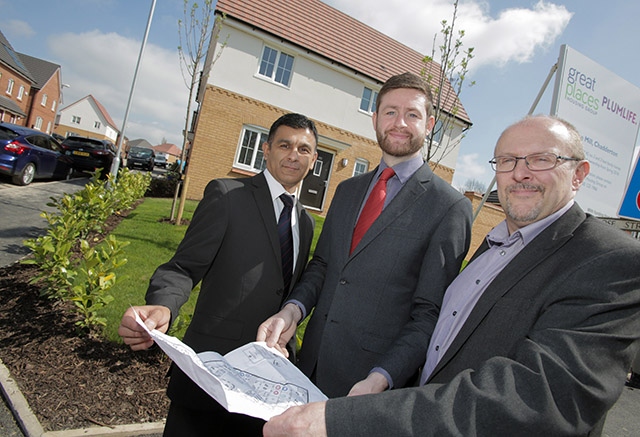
(537,333)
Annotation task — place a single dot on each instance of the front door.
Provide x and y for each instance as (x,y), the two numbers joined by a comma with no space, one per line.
(314,186)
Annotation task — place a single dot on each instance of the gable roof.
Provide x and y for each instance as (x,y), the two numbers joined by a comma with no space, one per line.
(40,69)
(334,35)
(140,142)
(10,58)
(168,148)
(101,108)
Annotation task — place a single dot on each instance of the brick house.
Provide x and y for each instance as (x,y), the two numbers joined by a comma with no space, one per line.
(270,57)
(45,95)
(87,118)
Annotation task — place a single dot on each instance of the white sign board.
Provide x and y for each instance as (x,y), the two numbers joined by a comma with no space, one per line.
(606,111)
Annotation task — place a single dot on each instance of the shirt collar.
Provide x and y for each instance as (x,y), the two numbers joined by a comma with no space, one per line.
(403,170)
(275,187)
(500,234)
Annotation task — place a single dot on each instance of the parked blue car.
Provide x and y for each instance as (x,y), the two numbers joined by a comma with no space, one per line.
(28,154)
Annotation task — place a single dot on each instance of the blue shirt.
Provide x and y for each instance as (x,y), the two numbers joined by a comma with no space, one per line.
(467,288)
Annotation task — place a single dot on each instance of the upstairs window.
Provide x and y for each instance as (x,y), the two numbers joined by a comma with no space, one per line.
(53,106)
(276,66)
(10,86)
(249,155)
(38,124)
(437,132)
(44,100)
(368,101)
(76,119)
(97,125)
(20,92)
(361,166)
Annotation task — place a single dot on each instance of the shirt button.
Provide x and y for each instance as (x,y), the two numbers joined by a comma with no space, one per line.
(437,348)
(477,281)
(455,312)
(342,282)
(502,253)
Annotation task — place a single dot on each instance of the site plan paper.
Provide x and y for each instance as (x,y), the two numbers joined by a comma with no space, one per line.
(254,379)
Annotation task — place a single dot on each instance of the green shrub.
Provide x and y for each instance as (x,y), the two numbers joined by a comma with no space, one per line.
(69,268)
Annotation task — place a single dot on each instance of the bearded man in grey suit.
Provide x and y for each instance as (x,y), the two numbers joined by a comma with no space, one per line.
(536,334)
(376,300)
(232,245)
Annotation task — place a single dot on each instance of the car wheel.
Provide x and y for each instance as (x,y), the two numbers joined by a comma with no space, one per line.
(26,175)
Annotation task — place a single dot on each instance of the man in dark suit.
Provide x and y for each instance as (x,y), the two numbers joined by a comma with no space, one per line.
(233,247)
(376,300)
(536,334)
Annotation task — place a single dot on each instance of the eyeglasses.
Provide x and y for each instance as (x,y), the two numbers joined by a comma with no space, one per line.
(535,162)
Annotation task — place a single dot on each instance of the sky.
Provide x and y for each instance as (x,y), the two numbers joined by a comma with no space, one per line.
(516,43)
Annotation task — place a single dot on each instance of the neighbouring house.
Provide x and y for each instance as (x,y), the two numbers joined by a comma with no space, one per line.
(171,151)
(30,89)
(87,118)
(270,57)
(140,142)
(45,95)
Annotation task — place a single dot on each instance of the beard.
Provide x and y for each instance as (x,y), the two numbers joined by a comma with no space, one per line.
(523,213)
(414,145)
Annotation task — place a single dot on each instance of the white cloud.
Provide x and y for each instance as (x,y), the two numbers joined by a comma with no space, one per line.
(103,65)
(469,166)
(15,29)
(513,36)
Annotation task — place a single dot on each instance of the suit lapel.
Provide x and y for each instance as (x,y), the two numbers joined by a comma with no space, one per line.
(406,198)
(262,197)
(549,241)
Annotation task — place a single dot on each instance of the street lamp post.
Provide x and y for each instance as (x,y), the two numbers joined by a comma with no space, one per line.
(115,165)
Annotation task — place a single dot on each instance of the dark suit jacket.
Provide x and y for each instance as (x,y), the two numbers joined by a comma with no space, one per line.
(232,246)
(544,352)
(377,306)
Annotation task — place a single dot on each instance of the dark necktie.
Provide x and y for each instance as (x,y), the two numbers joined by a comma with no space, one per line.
(286,240)
(373,207)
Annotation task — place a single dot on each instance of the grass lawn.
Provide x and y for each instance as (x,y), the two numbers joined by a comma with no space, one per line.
(152,242)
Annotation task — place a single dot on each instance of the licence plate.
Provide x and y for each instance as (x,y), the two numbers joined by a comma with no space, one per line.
(76,152)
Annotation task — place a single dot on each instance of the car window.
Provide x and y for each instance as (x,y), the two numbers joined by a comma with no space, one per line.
(38,140)
(7,134)
(84,142)
(54,145)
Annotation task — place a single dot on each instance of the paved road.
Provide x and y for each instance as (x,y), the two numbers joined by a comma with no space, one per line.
(20,209)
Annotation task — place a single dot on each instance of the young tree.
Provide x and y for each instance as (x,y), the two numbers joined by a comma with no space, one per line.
(473,185)
(194,31)
(454,66)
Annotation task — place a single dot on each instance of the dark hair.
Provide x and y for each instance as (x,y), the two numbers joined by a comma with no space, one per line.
(295,121)
(407,80)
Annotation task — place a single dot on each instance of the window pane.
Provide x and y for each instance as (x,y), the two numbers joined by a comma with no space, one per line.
(246,148)
(268,61)
(283,73)
(260,163)
(366,99)
(373,102)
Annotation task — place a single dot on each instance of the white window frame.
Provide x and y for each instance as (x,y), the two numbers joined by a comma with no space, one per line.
(97,125)
(249,154)
(38,124)
(20,92)
(361,166)
(43,102)
(53,106)
(76,119)
(10,86)
(275,66)
(371,105)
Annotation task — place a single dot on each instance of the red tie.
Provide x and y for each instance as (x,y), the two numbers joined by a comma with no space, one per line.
(373,206)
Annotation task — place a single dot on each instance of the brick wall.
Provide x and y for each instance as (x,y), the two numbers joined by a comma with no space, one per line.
(222,117)
(487,219)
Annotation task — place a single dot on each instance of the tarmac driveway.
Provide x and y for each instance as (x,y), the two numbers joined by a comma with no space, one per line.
(20,209)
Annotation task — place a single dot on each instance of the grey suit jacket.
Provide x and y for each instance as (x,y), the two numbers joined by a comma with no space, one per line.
(231,246)
(377,306)
(545,351)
